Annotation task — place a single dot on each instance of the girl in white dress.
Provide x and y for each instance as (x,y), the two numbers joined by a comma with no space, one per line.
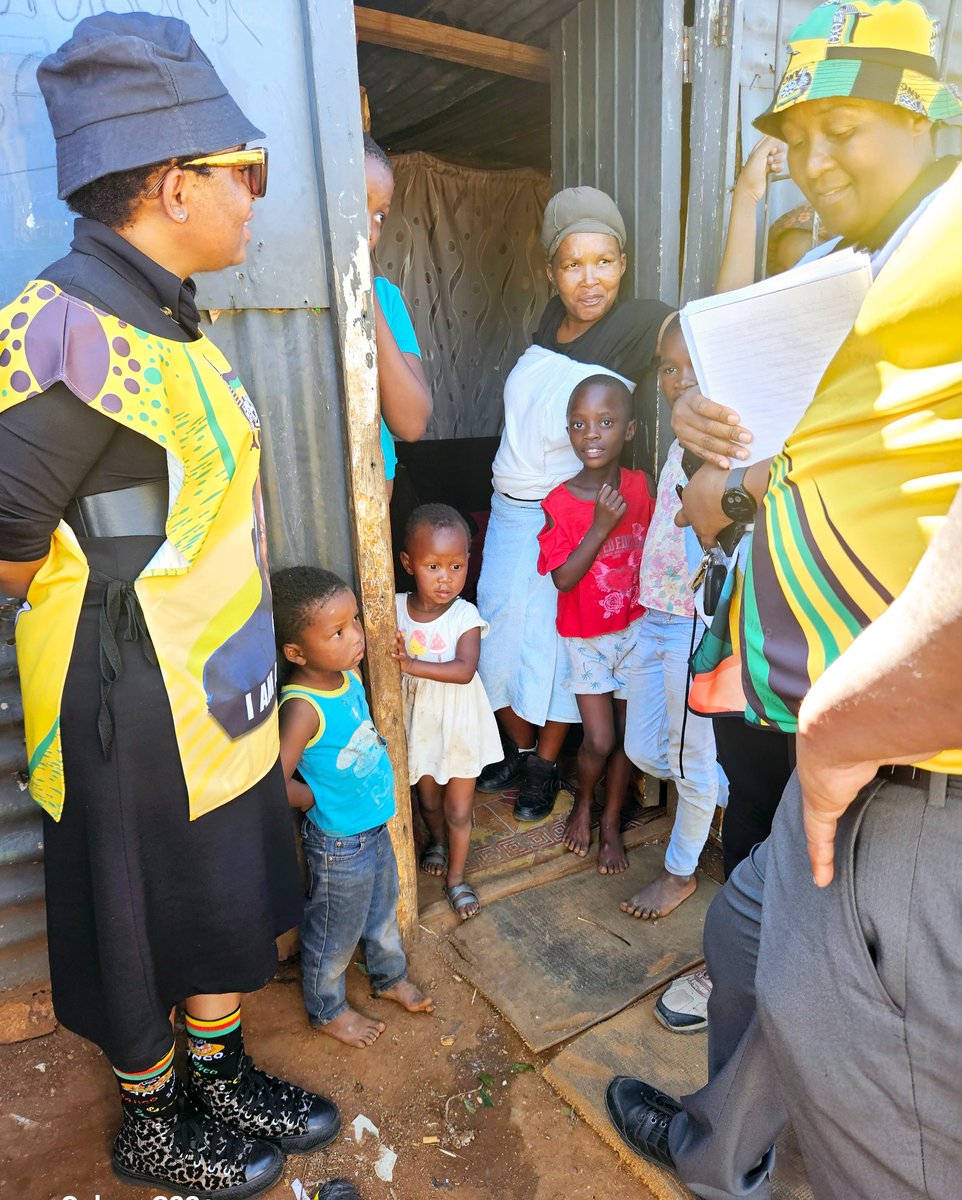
(451,729)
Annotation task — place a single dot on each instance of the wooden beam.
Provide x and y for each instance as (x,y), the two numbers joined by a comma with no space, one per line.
(452,45)
(337,130)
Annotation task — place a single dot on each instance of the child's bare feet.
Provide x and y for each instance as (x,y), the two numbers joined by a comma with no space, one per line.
(660,897)
(353,1029)
(612,859)
(577,834)
(409,996)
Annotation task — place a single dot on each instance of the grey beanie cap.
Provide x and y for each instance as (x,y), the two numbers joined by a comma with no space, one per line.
(131,89)
(580,210)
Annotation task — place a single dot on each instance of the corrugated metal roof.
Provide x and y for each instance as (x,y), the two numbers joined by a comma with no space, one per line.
(457,112)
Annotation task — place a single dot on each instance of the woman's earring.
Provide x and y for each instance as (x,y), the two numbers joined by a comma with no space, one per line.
(181,216)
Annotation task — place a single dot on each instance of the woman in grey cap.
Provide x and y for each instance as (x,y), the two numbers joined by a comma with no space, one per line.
(130,518)
(585,329)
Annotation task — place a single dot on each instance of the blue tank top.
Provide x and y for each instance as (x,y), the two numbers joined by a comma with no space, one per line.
(346,763)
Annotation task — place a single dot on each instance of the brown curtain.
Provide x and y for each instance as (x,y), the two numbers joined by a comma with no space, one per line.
(462,245)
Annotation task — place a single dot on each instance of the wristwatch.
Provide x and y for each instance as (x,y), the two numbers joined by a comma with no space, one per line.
(737,503)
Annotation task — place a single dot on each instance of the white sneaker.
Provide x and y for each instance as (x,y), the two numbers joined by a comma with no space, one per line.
(683,1006)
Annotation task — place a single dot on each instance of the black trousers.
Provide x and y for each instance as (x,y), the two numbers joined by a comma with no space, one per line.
(758,763)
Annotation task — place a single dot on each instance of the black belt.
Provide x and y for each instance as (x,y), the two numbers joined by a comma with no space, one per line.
(129,512)
(938,786)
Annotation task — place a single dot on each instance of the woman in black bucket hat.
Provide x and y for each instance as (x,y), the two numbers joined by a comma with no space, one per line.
(131,520)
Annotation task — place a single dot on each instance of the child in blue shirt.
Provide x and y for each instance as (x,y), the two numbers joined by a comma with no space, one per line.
(346,792)
(403,391)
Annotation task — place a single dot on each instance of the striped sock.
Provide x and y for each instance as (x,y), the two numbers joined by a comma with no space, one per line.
(150,1093)
(214,1048)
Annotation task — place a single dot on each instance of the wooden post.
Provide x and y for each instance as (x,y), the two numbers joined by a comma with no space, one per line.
(329,29)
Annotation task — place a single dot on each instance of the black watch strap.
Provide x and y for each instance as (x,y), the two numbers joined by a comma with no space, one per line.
(738,504)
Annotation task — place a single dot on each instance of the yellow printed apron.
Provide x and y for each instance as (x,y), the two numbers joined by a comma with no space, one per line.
(205,594)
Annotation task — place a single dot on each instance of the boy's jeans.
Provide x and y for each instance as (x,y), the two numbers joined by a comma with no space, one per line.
(657,696)
(352,898)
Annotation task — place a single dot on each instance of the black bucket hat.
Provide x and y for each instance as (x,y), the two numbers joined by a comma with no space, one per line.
(131,89)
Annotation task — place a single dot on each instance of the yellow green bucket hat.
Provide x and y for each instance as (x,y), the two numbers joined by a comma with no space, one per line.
(884,50)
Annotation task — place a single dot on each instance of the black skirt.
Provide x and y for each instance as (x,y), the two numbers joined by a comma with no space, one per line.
(144,906)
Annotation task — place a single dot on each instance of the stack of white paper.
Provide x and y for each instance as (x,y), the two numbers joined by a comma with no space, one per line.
(762,350)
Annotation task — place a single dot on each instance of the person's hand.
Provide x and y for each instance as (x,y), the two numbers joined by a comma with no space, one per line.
(701,504)
(299,796)
(400,653)
(709,430)
(767,158)
(828,788)
(610,507)
(827,791)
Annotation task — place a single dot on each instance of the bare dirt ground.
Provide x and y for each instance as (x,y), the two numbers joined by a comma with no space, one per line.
(59,1109)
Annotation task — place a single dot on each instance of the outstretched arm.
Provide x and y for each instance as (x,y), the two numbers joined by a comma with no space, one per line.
(893,696)
(405,398)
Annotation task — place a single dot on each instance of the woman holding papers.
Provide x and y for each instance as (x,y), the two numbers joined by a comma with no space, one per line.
(833,1000)
(586,328)
(864,159)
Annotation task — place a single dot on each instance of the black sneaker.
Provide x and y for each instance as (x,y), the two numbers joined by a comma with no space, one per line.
(194,1153)
(496,777)
(538,790)
(261,1106)
(642,1114)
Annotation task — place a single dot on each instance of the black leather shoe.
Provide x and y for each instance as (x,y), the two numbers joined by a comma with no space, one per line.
(496,777)
(642,1114)
(538,790)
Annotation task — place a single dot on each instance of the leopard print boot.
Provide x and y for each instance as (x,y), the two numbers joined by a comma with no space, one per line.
(195,1153)
(261,1106)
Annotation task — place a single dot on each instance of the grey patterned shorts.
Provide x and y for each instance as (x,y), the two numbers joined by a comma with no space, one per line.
(600,664)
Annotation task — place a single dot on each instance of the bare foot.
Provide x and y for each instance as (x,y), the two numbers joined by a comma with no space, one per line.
(353,1029)
(409,996)
(577,834)
(612,859)
(663,894)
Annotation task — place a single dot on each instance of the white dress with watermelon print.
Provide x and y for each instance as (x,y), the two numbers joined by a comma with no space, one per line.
(451,730)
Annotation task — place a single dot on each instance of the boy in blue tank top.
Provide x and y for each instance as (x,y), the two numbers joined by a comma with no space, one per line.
(346,791)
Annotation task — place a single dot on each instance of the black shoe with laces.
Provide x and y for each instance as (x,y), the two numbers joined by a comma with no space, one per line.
(496,777)
(642,1114)
(261,1106)
(195,1154)
(539,789)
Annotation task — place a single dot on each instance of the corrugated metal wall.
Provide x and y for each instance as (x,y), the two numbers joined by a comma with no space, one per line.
(278,329)
(616,124)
